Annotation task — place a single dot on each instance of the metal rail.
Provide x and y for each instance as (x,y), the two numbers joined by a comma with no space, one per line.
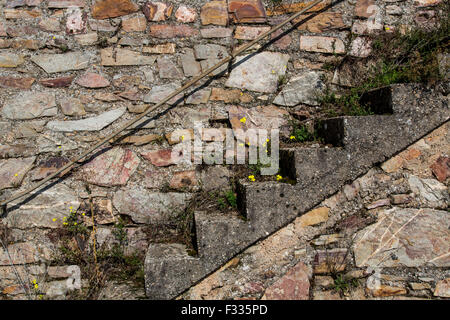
(66,168)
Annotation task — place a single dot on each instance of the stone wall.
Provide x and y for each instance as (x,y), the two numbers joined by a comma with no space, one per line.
(72,72)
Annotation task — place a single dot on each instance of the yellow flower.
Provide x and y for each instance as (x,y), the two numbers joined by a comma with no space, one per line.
(242,93)
(279,177)
(251,178)
(267,140)
(65,223)
(83,214)
(36,286)
(75,223)
(34,281)
(70,208)
(241,144)
(292,137)
(15,175)
(54,219)
(243,120)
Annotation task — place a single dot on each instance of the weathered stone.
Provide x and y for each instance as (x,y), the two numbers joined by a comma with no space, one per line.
(168,31)
(214,12)
(167,48)
(61,272)
(21,3)
(46,210)
(104,9)
(124,57)
(215,178)
(30,105)
(16,151)
(333,260)
(89,124)
(111,168)
(199,96)
(48,167)
(230,96)
(29,129)
(59,4)
(2,30)
(168,69)
(379,203)
(386,291)
(18,253)
(326,21)
(247,11)
(140,140)
(303,88)
(12,171)
(179,135)
(22,13)
(285,8)
(107,96)
(313,217)
(426,3)
(323,281)
(218,32)
(76,21)
(92,80)
(134,24)
(10,60)
(209,55)
(190,66)
(57,82)
(363,8)
(294,285)
(267,117)
(441,168)
(52,63)
(158,93)
(431,192)
(249,33)
(185,14)
(162,158)
(146,207)
(127,81)
(401,198)
(281,43)
(322,44)
(157,11)
(183,180)
(119,291)
(16,83)
(405,237)
(361,47)
(72,107)
(104,25)
(258,72)
(326,239)
(442,288)
(326,295)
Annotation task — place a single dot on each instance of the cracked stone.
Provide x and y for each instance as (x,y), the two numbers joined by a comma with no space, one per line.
(105,9)
(185,14)
(430,191)
(111,168)
(52,63)
(247,11)
(76,21)
(322,44)
(12,171)
(209,55)
(405,237)
(147,207)
(30,105)
(168,69)
(303,88)
(89,124)
(258,72)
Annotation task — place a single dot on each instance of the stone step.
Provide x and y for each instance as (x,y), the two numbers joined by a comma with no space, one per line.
(359,143)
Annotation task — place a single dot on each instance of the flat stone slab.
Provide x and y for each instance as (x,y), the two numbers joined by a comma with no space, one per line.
(12,171)
(147,207)
(124,57)
(111,168)
(52,63)
(90,124)
(158,93)
(405,237)
(303,88)
(30,105)
(258,72)
(46,210)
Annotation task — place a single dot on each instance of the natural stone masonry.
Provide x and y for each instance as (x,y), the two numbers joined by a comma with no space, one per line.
(30,105)
(318,172)
(53,63)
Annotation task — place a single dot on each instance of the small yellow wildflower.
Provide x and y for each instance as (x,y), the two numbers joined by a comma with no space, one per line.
(64,218)
(15,175)
(83,214)
(242,93)
(241,144)
(182,138)
(279,177)
(54,219)
(267,140)
(251,178)
(59,147)
(54,37)
(243,120)
(65,223)
(36,286)
(75,223)
(292,137)
(273,71)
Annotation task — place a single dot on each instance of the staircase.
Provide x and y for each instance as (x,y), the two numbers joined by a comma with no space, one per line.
(403,114)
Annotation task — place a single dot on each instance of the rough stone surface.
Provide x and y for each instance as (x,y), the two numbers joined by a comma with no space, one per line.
(104,9)
(89,124)
(146,207)
(214,12)
(322,44)
(52,63)
(92,80)
(443,288)
(158,93)
(12,171)
(258,72)
(294,285)
(157,11)
(405,237)
(303,88)
(124,57)
(111,168)
(185,14)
